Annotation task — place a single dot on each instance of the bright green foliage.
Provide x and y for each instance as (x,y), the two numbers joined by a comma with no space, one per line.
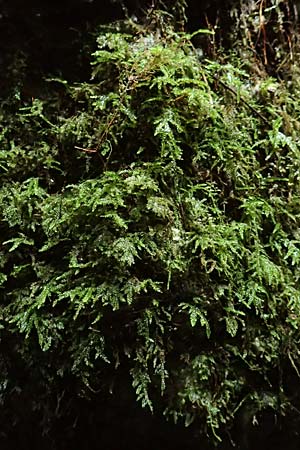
(150,223)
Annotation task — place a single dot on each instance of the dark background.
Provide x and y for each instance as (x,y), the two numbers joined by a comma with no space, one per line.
(48,37)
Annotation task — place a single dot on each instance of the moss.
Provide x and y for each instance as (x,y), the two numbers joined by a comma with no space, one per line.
(149,223)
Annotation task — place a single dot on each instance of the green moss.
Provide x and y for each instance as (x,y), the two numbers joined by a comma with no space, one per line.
(149,223)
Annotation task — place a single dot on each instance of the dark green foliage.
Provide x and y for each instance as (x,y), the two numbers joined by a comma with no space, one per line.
(150,224)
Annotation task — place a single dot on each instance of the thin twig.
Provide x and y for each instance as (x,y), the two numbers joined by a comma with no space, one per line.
(293,363)
(86,150)
(233,91)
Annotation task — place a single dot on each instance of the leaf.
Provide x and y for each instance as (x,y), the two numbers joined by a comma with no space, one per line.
(17,241)
(231,326)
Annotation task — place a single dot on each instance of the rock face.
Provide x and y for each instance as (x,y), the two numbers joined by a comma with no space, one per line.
(49,35)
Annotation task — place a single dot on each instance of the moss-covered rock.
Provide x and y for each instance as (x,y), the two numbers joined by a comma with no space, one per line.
(149,227)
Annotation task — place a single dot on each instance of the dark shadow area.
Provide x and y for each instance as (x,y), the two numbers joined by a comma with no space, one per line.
(51,34)
(118,422)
